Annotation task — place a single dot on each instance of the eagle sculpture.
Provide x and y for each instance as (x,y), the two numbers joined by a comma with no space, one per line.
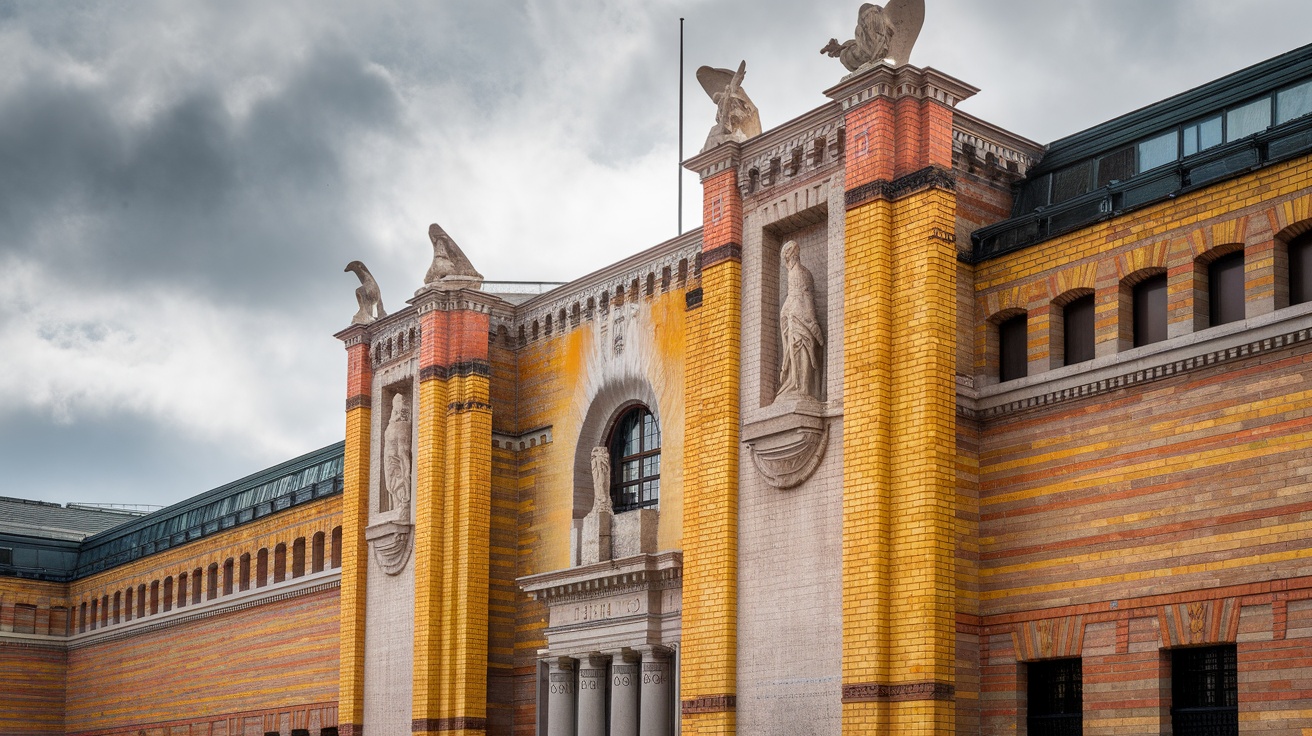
(882,34)
(367,295)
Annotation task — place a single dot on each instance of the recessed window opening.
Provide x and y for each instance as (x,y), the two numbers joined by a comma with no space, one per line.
(1150,310)
(1205,691)
(1077,330)
(1055,698)
(1225,289)
(6,556)
(1012,337)
(635,461)
(1300,269)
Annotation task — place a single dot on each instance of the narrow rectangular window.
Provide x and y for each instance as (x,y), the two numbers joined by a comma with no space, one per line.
(6,556)
(1150,311)
(1300,269)
(1012,348)
(1225,289)
(1056,698)
(1202,135)
(1077,332)
(1205,691)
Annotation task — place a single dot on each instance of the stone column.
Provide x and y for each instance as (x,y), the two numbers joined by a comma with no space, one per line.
(560,697)
(655,709)
(592,695)
(625,676)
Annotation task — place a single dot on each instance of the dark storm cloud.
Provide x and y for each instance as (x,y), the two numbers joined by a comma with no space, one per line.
(194,195)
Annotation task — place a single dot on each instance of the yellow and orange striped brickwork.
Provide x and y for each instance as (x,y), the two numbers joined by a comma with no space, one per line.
(1152,499)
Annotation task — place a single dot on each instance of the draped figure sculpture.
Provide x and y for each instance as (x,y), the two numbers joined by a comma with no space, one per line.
(803,338)
(601,480)
(397,453)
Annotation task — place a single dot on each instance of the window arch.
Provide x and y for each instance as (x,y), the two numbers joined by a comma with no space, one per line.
(635,460)
(1299,273)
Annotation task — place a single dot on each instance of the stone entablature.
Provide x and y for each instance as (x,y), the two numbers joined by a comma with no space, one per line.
(806,145)
(612,605)
(977,141)
(670,265)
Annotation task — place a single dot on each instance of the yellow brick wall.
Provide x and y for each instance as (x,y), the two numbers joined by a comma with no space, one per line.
(710,529)
(355,561)
(900,504)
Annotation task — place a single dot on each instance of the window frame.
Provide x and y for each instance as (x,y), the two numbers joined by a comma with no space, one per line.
(1205,719)
(622,499)
(1053,715)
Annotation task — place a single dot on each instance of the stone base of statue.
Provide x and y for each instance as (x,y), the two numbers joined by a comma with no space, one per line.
(788,445)
(595,538)
(389,538)
(634,533)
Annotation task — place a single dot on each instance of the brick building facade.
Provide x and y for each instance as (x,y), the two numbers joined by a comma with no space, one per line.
(1046,469)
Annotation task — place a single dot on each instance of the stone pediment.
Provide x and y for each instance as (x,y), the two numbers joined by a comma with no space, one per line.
(629,602)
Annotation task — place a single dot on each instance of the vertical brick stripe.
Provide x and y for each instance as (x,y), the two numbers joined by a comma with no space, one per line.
(710,520)
(355,550)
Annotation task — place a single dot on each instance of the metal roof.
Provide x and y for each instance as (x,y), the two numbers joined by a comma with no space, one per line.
(52,521)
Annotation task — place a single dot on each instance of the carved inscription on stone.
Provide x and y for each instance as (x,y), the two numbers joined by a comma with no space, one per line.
(602,610)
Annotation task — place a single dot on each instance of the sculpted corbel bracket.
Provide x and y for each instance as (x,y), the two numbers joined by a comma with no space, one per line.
(389,539)
(788,448)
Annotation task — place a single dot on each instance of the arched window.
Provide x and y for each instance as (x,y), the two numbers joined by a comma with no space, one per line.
(280,562)
(298,557)
(337,547)
(316,552)
(635,461)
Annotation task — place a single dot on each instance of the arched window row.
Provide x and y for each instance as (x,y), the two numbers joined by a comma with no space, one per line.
(189,587)
(1215,292)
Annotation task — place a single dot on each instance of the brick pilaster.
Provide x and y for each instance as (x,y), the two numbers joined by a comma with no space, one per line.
(355,516)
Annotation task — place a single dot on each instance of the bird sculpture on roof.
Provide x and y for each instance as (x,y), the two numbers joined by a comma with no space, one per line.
(450,268)
(882,34)
(367,295)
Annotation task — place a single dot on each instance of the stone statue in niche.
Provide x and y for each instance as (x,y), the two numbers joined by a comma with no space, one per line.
(601,480)
(736,118)
(886,33)
(367,295)
(397,455)
(803,338)
(450,268)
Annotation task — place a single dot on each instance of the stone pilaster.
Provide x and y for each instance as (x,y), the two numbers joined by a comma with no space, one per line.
(561,697)
(625,681)
(657,691)
(592,695)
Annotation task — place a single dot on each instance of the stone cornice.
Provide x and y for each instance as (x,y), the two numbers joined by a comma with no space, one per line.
(237,601)
(605,578)
(881,80)
(717,160)
(1172,357)
(455,300)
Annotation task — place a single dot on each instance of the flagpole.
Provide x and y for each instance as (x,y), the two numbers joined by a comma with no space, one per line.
(680,126)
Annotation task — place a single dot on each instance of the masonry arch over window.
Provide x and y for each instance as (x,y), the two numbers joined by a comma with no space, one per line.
(1294,265)
(601,417)
(635,459)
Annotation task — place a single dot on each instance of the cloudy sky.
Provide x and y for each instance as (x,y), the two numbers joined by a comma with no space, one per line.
(181,183)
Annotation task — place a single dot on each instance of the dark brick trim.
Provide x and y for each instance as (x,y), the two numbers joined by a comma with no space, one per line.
(359,400)
(930,177)
(710,704)
(457,407)
(456,370)
(350,729)
(726,252)
(692,298)
(462,723)
(875,692)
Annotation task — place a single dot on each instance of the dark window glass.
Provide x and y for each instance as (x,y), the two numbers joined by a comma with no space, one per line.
(1071,182)
(1116,166)
(635,461)
(1225,289)
(1300,269)
(1056,698)
(1077,330)
(1202,135)
(1248,119)
(1205,691)
(1150,311)
(1159,151)
(6,556)
(1033,194)
(1294,102)
(1011,348)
